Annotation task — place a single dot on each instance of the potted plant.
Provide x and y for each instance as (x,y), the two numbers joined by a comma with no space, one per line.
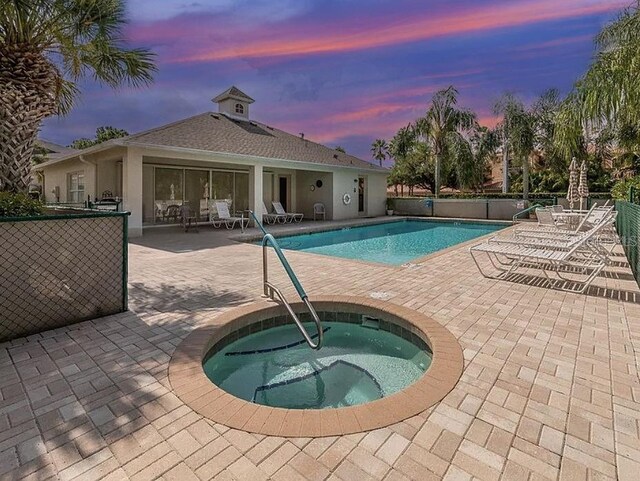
(389,206)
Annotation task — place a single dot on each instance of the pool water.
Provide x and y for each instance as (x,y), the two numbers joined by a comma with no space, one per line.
(394,243)
(355,365)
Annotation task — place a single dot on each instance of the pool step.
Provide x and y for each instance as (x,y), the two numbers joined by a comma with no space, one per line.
(370,322)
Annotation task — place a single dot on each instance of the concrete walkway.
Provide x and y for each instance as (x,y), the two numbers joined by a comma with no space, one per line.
(550,388)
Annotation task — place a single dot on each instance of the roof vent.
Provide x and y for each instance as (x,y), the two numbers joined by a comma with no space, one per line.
(215,116)
(302,135)
(335,156)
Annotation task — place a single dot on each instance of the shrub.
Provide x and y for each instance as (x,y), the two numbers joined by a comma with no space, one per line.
(19,205)
(510,195)
(620,190)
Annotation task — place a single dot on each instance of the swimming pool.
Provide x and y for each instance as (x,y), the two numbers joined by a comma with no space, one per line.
(394,243)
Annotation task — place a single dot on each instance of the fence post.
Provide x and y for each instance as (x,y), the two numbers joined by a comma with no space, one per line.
(125,261)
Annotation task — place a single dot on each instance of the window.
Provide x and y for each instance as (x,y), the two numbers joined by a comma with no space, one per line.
(239,109)
(75,190)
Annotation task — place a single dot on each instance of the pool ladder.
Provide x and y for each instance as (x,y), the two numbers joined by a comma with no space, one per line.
(272,291)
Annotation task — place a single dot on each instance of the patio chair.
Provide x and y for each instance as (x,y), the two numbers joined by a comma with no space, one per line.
(580,256)
(550,224)
(189,218)
(271,218)
(545,217)
(290,216)
(225,218)
(172,213)
(318,210)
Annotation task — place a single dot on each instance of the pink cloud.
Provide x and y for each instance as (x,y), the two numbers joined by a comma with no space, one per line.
(294,41)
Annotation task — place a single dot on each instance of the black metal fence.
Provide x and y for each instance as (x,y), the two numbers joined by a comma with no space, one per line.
(61,268)
(628,227)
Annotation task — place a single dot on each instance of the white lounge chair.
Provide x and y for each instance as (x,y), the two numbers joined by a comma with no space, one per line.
(563,239)
(319,210)
(271,218)
(290,216)
(578,256)
(225,218)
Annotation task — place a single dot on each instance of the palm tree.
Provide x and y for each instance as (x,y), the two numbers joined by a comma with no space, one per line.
(399,148)
(442,120)
(607,96)
(380,150)
(517,130)
(46,46)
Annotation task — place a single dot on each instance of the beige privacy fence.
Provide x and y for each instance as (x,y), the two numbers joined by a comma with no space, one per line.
(60,269)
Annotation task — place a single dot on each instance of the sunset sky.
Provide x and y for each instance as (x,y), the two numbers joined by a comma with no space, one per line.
(344,72)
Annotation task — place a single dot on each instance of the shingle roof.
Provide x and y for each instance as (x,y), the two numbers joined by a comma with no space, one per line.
(234,92)
(54,151)
(216,132)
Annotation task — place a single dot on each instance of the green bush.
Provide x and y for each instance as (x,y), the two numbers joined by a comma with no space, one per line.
(620,190)
(510,195)
(19,205)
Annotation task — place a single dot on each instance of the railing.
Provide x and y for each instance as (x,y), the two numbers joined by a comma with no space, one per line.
(270,289)
(525,211)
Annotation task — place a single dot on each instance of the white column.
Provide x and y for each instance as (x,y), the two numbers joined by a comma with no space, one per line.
(132,189)
(255,190)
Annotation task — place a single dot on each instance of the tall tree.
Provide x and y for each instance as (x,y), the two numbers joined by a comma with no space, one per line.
(399,148)
(517,130)
(380,150)
(438,127)
(102,135)
(46,46)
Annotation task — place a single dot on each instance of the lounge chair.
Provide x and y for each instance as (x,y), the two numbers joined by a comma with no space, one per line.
(564,239)
(290,216)
(271,218)
(579,256)
(225,218)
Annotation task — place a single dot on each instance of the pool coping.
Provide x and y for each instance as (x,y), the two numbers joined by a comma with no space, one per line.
(190,383)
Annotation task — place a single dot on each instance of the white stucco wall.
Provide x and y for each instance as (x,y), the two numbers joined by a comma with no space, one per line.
(307,197)
(57,176)
(343,183)
(377,194)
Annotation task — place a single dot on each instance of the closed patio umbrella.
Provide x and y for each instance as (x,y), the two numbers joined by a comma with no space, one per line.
(583,188)
(572,192)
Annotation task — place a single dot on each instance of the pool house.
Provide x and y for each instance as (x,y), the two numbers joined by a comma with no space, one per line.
(223,155)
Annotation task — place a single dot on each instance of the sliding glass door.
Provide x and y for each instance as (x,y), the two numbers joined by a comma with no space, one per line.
(167,189)
(196,191)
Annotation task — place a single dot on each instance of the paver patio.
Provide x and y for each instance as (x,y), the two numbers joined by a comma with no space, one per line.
(550,388)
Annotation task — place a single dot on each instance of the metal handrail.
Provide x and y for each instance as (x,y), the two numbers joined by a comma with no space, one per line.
(270,289)
(528,209)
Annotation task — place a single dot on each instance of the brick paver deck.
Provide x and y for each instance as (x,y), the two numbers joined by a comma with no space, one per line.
(550,388)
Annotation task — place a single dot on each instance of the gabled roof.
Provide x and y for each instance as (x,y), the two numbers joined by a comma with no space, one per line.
(218,133)
(234,93)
